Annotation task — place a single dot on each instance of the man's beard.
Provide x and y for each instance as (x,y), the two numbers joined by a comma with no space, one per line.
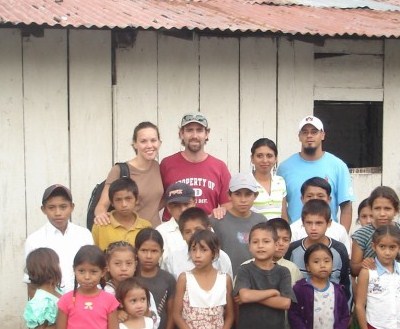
(310,150)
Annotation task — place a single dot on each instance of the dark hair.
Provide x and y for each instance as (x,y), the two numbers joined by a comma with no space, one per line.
(208,237)
(264,142)
(265,227)
(386,230)
(119,246)
(43,266)
(122,184)
(316,182)
(58,192)
(384,192)
(316,207)
(143,125)
(125,286)
(94,256)
(193,213)
(146,234)
(316,247)
(364,203)
(280,224)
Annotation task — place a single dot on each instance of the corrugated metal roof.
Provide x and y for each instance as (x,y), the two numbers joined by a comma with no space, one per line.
(223,15)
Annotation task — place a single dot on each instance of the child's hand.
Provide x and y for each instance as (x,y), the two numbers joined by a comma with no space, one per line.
(102,219)
(122,316)
(369,263)
(275,293)
(219,213)
(237,299)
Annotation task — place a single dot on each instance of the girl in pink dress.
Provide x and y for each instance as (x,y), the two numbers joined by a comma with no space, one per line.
(203,295)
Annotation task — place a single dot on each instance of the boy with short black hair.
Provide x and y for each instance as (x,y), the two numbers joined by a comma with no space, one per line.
(59,234)
(125,223)
(264,288)
(319,188)
(178,197)
(190,221)
(233,229)
(316,215)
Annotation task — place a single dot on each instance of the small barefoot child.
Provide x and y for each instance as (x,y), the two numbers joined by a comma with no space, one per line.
(379,289)
(321,304)
(134,299)
(203,295)
(149,245)
(43,269)
(87,306)
(121,265)
(263,287)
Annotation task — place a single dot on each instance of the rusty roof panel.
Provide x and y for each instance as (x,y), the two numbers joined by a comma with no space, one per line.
(223,15)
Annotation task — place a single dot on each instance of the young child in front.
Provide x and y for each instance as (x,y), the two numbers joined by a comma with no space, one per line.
(316,215)
(124,221)
(263,287)
(191,220)
(234,227)
(59,233)
(149,245)
(319,188)
(178,197)
(320,304)
(121,258)
(384,204)
(134,299)
(87,306)
(42,266)
(378,290)
(203,295)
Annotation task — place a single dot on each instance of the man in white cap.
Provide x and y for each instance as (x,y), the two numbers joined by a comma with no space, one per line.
(313,161)
(207,175)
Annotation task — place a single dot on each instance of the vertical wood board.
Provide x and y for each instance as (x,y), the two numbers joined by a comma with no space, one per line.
(295,92)
(12,181)
(46,118)
(178,87)
(391,113)
(90,114)
(136,91)
(257,94)
(219,96)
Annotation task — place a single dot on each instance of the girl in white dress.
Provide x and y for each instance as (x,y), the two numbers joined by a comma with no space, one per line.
(135,301)
(203,295)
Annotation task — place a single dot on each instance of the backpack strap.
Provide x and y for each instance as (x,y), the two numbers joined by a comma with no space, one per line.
(123,169)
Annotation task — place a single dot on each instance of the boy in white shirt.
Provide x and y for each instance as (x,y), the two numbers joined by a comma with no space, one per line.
(319,188)
(178,198)
(192,220)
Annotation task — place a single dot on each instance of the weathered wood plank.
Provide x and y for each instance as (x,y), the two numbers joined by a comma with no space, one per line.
(178,86)
(342,46)
(12,180)
(136,91)
(219,96)
(257,94)
(295,92)
(46,118)
(90,114)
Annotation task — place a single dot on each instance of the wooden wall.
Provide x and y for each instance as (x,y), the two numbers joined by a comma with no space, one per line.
(63,121)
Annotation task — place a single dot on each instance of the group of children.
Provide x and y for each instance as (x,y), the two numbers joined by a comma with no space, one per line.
(198,272)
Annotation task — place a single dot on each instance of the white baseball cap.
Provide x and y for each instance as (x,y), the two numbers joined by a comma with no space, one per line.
(311,120)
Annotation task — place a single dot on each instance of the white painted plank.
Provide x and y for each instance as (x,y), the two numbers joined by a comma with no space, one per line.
(178,86)
(90,114)
(136,91)
(295,92)
(219,96)
(257,94)
(343,46)
(391,113)
(12,181)
(348,94)
(46,118)
(349,71)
